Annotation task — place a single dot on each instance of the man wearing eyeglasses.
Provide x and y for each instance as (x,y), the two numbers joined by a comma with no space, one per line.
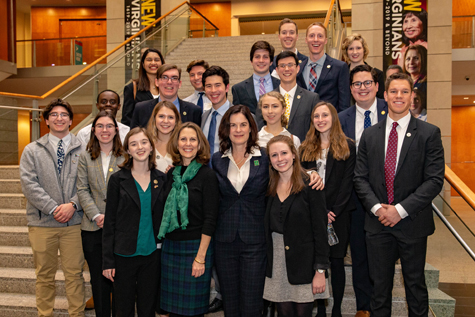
(168,82)
(48,170)
(107,100)
(367,111)
(299,101)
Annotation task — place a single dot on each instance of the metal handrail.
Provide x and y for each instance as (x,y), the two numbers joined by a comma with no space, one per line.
(460,187)
(194,9)
(453,231)
(62,38)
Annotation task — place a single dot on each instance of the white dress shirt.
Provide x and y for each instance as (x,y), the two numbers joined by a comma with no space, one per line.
(401,134)
(359,123)
(84,134)
(239,176)
(264,137)
(291,95)
(221,111)
(106,159)
(193,98)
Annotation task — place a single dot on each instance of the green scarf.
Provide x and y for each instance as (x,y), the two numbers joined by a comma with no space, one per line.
(178,200)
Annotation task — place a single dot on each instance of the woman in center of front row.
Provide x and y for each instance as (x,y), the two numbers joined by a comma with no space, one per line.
(295,225)
(189,221)
(243,174)
(327,150)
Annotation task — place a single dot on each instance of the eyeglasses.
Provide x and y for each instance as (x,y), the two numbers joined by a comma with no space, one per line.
(165,79)
(107,126)
(366,83)
(289,65)
(62,115)
(111,102)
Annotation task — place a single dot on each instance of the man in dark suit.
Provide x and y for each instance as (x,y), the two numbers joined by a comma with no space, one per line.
(299,101)
(367,111)
(322,74)
(168,82)
(247,92)
(288,36)
(399,171)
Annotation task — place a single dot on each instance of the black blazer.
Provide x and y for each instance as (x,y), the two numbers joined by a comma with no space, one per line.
(333,84)
(305,236)
(245,94)
(143,111)
(243,212)
(129,102)
(419,176)
(122,216)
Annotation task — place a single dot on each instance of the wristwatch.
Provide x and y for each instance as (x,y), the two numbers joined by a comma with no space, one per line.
(320,271)
(74,205)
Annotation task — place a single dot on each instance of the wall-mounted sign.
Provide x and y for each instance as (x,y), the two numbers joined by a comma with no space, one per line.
(77,52)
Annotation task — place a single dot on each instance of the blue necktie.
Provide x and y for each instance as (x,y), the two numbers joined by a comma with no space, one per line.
(212,131)
(367,119)
(200,101)
(60,155)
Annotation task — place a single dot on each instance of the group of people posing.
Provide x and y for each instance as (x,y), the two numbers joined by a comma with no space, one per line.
(183,190)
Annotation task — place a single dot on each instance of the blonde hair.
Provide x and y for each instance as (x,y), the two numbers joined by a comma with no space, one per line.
(349,40)
(278,96)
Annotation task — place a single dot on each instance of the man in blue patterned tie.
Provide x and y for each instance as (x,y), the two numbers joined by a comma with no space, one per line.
(48,170)
(196,70)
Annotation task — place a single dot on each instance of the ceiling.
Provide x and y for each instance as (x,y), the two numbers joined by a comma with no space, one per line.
(25,5)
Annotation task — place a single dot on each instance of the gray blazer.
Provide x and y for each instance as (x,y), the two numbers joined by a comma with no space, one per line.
(92,187)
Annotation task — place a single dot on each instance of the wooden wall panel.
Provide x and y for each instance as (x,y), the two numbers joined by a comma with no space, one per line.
(3,30)
(462,7)
(218,13)
(463,138)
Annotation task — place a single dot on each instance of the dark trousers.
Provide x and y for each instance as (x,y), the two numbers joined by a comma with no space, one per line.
(384,248)
(241,270)
(101,286)
(136,278)
(362,284)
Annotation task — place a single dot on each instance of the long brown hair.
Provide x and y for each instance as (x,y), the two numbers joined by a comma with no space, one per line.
(202,155)
(129,160)
(298,174)
(152,128)
(312,146)
(94,147)
(142,81)
(225,128)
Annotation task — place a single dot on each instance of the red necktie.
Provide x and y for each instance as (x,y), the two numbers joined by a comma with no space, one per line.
(390,163)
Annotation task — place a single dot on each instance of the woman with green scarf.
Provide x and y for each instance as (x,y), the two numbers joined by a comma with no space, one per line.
(189,221)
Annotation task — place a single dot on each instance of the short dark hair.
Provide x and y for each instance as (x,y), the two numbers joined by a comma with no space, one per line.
(129,161)
(286,54)
(166,68)
(216,71)
(402,76)
(394,66)
(202,155)
(364,68)
(225,127)
(108,90)
(421,15)
(55,103)
(287,20)
(93,146)
(197,62)
(262,45)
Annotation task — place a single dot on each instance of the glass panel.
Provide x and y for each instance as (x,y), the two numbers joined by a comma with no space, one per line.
(462,32)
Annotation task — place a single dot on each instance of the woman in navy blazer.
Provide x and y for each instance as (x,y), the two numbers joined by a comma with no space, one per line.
(243,174)
(327,150)
(134,211)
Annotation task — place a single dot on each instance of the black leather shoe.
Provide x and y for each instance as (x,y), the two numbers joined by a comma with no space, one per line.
(215,306)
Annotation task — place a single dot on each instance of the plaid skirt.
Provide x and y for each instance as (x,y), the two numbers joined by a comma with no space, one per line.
(180,292)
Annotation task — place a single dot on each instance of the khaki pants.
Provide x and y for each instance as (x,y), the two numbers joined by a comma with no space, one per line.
(45,243)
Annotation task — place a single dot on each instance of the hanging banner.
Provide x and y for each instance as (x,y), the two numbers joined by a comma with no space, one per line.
(138,15)
(405,44)
(78,52)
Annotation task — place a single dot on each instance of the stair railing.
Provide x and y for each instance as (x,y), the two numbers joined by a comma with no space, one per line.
(336,30)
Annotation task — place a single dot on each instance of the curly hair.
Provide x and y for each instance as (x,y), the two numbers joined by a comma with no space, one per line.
(349,40)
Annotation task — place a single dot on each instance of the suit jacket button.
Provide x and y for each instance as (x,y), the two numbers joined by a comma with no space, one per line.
(287,247)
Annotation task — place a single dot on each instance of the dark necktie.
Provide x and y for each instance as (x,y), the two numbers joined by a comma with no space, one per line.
(367,119)
(200,101)
(60,155)
(313,76)
(212,131)
(390,163)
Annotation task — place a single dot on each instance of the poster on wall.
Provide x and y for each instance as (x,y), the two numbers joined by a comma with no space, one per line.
(405,44)
(138,15)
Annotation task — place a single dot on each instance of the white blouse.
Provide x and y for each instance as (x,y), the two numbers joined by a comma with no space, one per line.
(239,176)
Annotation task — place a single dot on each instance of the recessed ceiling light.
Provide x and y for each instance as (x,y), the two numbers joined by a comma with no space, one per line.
(465,98)
(474,101)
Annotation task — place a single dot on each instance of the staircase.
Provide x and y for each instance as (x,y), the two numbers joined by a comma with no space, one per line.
(17,273)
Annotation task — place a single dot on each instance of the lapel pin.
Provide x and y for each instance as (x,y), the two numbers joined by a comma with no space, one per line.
(408,134)
(155,186)
(111,169)
(184,113)
(155,181)
(328,66)
(383,112)
(298,96)
(256,163)
(300,61)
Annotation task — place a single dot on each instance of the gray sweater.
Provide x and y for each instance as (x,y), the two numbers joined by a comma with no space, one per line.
(43,187)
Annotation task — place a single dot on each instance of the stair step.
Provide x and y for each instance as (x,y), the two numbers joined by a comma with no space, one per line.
(10,172)
(441,303)
(8,186)
(12,201)
(13,217)
(23,280)
(24,305)
(16,257)
(14,236)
